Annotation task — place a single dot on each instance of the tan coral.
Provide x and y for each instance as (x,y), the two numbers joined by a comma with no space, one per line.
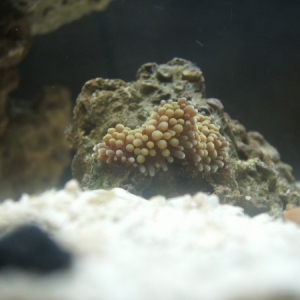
(175,130)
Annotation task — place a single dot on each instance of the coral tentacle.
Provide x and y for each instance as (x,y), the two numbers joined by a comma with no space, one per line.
(174,130)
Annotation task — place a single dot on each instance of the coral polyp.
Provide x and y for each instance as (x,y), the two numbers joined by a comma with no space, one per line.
(175,130)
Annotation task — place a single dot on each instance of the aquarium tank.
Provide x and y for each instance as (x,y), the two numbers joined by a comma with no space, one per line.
(149,149)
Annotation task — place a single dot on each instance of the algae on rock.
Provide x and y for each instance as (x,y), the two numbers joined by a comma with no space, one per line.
(253,178)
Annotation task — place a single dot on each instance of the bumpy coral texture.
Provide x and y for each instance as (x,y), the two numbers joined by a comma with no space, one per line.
(175,130)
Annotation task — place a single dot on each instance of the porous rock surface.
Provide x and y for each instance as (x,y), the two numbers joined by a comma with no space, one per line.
(33,151)
(21,170)
(15,41)
(9,80)
(20,20)
(44,16)
(125,247)
(254,176)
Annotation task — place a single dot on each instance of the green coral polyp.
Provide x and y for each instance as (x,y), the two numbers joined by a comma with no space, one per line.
(174,130)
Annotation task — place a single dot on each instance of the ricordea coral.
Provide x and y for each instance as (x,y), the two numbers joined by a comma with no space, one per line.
(175,130)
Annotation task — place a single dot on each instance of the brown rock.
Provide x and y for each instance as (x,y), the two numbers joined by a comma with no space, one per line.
(9,80)
(48,15)
(15,36)
(253,177)
(33,151)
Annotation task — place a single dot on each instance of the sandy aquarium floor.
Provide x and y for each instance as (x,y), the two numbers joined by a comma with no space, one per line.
(126,247)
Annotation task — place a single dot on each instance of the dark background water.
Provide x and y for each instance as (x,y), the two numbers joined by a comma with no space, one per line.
(249,52)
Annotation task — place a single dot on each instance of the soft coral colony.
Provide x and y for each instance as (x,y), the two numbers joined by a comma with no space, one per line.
(174,130)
